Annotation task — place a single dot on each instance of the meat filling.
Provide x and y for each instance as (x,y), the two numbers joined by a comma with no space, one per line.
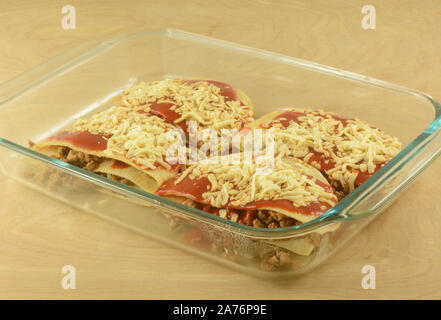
(255,218)
(87,162)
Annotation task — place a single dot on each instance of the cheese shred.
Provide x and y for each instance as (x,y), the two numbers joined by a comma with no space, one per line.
(137,136)
(197,100)
(240,184)
(347,146)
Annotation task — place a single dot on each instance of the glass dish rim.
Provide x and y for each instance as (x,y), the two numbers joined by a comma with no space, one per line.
(339,213)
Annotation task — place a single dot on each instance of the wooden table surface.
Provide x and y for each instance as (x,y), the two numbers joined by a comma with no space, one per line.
(39,235)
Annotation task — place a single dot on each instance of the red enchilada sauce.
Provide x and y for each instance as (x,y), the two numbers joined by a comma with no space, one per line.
(363,176)
(163,109)
(83,139)
(97,142)
(189,188)
(326,163)
(116,164)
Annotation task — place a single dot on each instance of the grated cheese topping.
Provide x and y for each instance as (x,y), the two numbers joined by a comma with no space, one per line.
(240,184)
(349,147)
(200,101)
(137,136)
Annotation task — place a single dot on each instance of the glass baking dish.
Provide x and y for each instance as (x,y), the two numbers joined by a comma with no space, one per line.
(84,79)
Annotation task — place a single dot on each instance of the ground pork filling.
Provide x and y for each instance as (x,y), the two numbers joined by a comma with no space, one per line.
(87,162)
(255,218)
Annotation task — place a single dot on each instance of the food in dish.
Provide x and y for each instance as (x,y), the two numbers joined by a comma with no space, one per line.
(347,151)
(284,196)
(210,104)
(126,146)
(319,157)
(130,143)
(315,149)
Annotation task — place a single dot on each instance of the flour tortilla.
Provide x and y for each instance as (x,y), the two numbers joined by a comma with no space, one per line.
(148,180)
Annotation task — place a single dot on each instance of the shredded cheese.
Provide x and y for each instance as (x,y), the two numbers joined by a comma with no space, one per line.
(350,146)
(200,101)
(137,136)
(240,184)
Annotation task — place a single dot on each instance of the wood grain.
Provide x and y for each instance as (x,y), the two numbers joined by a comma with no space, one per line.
(39,235)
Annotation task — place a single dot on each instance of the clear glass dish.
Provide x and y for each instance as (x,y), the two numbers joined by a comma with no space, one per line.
(84,79)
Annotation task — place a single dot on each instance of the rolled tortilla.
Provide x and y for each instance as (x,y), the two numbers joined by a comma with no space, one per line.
(347,151)
(239,189)
(125,144)
(208,103)
(200,186)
